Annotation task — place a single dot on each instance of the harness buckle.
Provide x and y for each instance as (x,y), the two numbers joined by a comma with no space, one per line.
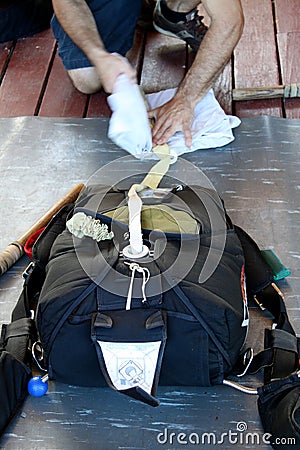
(28,270)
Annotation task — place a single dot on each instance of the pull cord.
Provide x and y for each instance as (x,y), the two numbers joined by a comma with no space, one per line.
(134,267)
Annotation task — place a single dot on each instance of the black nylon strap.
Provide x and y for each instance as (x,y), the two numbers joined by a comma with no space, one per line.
(14,377)
(271,298)
(277,362)
(280,357)
(283,340)
(258,273)
(21,327)
(17,338)
(27,301)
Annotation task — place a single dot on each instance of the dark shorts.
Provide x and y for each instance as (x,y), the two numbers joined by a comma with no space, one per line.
(116,21)
(21,18)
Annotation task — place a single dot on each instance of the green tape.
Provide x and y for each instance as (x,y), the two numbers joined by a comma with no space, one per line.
(280,271)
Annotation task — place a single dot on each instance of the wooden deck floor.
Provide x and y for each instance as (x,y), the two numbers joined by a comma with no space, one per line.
(33,81)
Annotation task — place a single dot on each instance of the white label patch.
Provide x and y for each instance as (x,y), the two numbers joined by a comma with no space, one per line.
(131,364)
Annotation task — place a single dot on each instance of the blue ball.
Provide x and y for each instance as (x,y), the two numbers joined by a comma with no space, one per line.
(37,387)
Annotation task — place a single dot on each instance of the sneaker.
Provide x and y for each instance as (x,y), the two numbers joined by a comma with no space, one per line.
(191,29)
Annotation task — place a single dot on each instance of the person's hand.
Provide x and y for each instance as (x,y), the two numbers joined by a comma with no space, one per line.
(110,66)
(175,115)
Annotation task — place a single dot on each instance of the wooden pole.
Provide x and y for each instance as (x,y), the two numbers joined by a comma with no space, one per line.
(15,250)
(267,92)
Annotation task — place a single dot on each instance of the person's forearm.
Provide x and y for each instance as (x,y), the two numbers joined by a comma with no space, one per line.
(213,54)
(78,22)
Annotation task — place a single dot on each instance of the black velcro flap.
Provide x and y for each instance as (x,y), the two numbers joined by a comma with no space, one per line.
(135,325)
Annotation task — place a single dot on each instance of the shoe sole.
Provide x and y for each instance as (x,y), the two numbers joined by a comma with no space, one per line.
(187,40)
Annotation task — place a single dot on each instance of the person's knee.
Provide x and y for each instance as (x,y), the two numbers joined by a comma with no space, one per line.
(85,80)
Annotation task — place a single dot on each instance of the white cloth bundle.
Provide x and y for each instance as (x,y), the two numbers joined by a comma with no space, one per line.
(129,126)
(211,127)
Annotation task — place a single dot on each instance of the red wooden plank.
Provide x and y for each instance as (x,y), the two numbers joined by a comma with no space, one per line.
(61,99)
(287,15)
(164,62)
(5,50)
(288,38)
(255,59)
(98,106)
(289,51)
(23,81)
